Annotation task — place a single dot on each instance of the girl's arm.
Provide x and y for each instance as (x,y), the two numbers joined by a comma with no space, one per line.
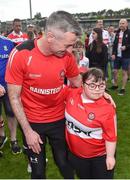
(110,155)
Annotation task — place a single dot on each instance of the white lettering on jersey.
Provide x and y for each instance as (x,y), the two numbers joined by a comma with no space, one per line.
(31,75)
(46,91)
(78,129)
(4,56)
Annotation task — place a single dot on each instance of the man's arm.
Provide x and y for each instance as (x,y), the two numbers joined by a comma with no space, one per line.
(33,139)
(75,81)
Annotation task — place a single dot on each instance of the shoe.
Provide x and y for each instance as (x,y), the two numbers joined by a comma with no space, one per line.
(3,140)
(1,154)
(121,92)
(114,87)
(15,148)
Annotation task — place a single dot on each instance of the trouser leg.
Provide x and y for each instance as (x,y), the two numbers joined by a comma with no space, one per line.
(99,169)
(37,161)
(81,166)
(59,149)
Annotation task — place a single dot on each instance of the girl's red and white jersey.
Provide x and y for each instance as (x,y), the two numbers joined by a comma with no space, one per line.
(42,79)
(89,125)
(18,38)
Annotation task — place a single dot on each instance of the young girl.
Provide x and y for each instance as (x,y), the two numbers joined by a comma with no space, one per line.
(79,53)
(91,128)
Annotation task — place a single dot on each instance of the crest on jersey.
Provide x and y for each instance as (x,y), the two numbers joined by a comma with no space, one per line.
(5,48)
(62,75)
(91,116)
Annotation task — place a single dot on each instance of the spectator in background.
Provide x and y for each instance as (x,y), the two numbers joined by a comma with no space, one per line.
(79,52)
(121,55)
(86,41)
(110,48)
(5,48)
(97,51)
(105,35)
(40,34)
(30,35)
(17,35)
(31,28)
(128,79)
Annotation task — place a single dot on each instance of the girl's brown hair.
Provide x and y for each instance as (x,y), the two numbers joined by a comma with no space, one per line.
(97,44)
(93,72)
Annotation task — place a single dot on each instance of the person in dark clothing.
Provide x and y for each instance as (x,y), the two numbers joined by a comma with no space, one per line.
(121,55)
(97,51)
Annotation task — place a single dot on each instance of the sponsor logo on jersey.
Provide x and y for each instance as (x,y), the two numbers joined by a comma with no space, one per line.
(31,75)
(34,160)
(78,129)
(46,91)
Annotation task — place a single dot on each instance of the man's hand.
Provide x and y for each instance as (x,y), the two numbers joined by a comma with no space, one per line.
(33,140)
(110,162)
(107,96)
(2,90)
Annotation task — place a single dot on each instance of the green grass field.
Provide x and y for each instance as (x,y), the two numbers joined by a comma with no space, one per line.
(14,166)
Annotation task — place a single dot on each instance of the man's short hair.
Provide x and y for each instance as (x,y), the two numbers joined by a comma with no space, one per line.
(63,21)
(16,20)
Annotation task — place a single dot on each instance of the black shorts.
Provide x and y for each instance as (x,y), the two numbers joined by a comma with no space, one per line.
(4,100)
(90,168)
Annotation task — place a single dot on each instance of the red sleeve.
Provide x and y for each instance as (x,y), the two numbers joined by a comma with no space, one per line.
(110,126)
(65,92)
(15,69)
(71,67)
